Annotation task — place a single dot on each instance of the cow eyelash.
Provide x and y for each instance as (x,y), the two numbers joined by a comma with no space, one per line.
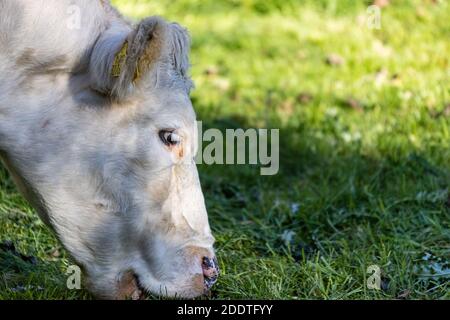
(169,137)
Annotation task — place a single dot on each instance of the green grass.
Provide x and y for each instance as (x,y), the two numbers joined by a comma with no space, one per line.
(365,152)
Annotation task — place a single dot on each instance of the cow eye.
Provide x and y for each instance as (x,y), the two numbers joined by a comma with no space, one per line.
(169,138)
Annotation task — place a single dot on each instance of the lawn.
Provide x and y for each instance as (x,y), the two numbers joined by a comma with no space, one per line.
(364,119)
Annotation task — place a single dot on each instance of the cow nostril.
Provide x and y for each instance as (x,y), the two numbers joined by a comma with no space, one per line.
(210,266)
(210,271)
(207,262)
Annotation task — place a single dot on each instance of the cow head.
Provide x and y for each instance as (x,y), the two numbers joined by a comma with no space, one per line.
(110,165)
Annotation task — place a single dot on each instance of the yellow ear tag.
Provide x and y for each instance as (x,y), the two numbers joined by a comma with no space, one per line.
(137,73)
(119,60)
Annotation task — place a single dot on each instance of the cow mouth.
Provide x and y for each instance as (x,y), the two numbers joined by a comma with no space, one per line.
(140,291)
(129,287)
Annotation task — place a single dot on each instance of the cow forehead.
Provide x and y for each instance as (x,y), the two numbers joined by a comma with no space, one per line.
(169,109)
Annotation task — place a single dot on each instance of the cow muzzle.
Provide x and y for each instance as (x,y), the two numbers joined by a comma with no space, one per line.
(210,268)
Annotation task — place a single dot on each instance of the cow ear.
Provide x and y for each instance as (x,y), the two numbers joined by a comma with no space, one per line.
(138,53)
(122,56)
(180,44)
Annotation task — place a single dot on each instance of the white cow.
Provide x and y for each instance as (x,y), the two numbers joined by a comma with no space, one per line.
(99,134)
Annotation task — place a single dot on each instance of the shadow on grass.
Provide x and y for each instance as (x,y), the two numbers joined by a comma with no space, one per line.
(330,200)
